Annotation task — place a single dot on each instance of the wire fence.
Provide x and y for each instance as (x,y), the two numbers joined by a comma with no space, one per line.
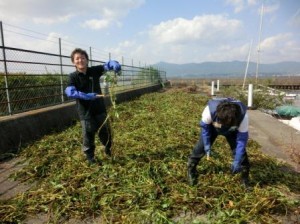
(36,78)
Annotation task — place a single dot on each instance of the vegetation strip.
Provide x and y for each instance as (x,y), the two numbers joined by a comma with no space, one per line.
(146,182)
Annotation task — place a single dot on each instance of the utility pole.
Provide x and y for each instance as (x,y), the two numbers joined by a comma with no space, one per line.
(259,39)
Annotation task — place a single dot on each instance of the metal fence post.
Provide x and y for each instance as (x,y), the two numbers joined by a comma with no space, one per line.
(91,59)
(132,73)
(150,75)
(61,72)
(123,81)
(5,70)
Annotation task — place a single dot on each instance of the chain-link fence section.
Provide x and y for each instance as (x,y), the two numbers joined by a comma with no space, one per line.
(31,79)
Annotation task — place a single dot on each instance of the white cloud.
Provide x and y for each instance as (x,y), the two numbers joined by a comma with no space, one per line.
(96,24)
(200,29)
(229,52)
(182,41)
(128,48)
(269,9)
(61,11)
(47,43)
(237,4)
(241,5)
(208,38)
(49,21)
(281,47)
(213,37)
(253,2)
(34,10)
(271,42)
(295,20)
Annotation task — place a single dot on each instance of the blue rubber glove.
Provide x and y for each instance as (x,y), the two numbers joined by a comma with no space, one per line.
(91,96)
(112,65)
(72,93)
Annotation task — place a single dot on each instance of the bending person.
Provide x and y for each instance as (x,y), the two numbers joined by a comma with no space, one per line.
(227,117)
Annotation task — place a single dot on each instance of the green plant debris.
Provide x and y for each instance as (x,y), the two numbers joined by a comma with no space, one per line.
(146,182)
(111,77)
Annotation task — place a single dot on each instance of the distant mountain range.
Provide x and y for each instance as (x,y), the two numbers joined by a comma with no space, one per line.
(230,69)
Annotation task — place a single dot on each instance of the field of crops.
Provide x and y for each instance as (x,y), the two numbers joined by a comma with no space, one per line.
(145,180)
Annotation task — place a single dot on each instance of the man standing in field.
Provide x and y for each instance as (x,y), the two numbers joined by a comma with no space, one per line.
(84,86)
(227,117)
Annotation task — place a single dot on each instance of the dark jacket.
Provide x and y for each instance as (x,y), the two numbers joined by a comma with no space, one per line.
(83,88)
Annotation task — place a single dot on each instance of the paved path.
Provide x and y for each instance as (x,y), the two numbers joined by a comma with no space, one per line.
(9,187)
(276,138)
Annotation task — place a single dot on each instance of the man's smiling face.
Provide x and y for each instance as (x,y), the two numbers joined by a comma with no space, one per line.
(80,62)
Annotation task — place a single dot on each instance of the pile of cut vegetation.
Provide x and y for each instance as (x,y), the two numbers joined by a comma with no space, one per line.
(145,181)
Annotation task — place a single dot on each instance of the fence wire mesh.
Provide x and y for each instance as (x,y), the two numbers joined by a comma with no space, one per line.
(31,79)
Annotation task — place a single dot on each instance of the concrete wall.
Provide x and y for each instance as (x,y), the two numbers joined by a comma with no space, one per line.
(19,129)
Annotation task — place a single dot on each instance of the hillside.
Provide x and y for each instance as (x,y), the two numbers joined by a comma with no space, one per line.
(233,68)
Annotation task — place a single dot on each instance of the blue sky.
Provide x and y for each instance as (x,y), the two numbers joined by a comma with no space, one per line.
(150,31)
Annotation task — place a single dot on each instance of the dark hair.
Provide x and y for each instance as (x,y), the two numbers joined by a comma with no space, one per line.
(78,51)
(228,113)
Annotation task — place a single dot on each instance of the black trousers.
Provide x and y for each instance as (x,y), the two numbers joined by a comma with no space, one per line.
(90,127)
(198,150)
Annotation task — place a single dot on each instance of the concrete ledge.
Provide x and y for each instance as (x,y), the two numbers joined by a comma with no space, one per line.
(19,129)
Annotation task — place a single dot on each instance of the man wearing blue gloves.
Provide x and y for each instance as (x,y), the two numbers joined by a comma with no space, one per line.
(227,117)
(84,86)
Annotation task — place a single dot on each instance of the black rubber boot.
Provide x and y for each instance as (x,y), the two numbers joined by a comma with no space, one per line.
(192,172)
(90,156)
(245,178)
(107,151)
